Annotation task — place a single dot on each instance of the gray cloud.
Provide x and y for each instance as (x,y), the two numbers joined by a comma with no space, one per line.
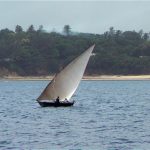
(89,16)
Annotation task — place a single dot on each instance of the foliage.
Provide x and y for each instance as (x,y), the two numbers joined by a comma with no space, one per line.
(37,52)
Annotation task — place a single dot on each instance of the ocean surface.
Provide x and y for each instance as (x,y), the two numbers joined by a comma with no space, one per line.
(107,115)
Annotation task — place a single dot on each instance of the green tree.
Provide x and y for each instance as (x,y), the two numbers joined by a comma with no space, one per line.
(34,52)
(67,30)
(18,29)
(41,29)
(31,29)
(145,36)
(111,31)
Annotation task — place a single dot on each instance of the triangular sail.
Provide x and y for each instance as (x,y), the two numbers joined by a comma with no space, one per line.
(66,82)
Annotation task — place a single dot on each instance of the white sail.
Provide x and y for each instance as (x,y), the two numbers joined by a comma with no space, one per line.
(66,81)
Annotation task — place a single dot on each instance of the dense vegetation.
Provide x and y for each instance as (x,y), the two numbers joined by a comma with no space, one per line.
(37,52)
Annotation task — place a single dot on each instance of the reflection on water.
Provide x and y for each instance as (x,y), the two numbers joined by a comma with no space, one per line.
(107,115)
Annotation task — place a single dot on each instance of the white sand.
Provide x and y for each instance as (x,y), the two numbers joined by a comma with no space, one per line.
(99,77)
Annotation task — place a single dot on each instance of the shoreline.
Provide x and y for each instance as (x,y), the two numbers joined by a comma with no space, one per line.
(96,77)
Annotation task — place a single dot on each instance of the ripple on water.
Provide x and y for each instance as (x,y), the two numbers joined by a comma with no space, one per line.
(108,115)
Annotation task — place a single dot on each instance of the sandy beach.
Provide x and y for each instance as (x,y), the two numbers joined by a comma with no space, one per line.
(96,77)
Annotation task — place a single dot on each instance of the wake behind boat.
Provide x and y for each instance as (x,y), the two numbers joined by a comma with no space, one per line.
(59,91)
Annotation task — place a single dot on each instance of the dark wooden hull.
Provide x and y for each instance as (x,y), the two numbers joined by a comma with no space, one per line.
(54,104)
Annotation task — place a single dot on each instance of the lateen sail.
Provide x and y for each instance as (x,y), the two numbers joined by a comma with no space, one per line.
(66,81)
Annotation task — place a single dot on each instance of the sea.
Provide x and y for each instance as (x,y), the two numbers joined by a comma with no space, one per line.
(107,115)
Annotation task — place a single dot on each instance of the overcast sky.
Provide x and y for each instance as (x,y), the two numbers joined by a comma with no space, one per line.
(82,16)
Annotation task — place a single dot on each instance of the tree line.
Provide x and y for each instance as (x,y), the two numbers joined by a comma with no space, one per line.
(38,52)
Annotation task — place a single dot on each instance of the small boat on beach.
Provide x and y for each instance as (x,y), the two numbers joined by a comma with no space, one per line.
(59,91)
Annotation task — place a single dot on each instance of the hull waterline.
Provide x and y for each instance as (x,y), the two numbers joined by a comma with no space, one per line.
(54,104)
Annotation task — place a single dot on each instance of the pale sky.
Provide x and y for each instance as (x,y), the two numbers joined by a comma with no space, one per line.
(82,16)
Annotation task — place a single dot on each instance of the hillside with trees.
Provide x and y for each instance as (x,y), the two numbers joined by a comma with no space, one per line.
(37,52)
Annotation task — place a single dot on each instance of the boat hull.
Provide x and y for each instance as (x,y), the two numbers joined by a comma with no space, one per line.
(54,104)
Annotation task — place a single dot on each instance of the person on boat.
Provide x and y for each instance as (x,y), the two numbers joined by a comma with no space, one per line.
(66,100)
(57,100)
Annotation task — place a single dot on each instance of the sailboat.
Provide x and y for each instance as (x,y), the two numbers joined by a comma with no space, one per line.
(65,83)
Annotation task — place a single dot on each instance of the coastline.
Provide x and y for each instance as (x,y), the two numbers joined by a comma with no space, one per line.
(96,77)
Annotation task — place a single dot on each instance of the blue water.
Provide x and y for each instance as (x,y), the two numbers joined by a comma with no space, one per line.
(107,115)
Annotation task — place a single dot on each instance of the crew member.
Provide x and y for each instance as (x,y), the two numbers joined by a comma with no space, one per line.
(57,100)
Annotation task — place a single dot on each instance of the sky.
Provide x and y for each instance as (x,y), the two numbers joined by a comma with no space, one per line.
(82,16)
